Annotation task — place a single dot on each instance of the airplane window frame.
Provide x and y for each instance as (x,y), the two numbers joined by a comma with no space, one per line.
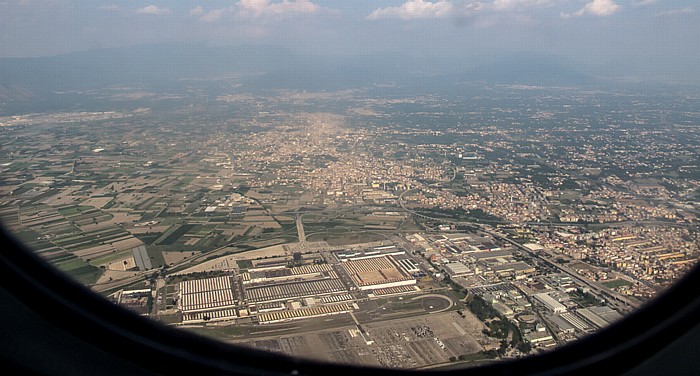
(162,349)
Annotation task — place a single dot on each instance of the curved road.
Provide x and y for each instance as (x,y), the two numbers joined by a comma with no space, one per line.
(452,303)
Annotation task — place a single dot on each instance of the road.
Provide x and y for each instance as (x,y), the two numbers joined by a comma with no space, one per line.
(619,301)
(143,274)
(300,231)
(445,219)
(648,222)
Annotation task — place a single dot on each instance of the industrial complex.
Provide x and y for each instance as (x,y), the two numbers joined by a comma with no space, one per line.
(277,292)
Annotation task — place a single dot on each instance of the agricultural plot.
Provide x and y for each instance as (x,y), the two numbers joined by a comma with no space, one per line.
(82,240)
(39,244)
(156,256)
(97,202)
(111,257)
(173,234)
(84,215)
(78,269)
(67,196)
(43,219)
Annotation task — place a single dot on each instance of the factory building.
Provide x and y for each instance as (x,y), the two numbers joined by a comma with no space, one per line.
(207,299)
(551,303)
(293,290)
(576,321)
(377,273)
(352,255)
(564,326)
(599,316)
(326,310)
(483,256)
(456,269)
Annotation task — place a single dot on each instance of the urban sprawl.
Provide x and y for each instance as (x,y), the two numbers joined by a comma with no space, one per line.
(397,231)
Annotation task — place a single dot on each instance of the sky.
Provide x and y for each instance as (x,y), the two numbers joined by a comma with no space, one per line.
(644,37)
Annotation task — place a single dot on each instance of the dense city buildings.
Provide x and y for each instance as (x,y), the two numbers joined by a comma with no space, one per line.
(406,231)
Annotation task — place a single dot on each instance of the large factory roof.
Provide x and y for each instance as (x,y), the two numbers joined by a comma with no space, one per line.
(479,256)
(369,253)
(455,269)
(376,272)
(551,303)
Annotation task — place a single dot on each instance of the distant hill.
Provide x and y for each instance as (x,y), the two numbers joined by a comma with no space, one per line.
(15,93)
(149,64)
(531,69)
(261,67)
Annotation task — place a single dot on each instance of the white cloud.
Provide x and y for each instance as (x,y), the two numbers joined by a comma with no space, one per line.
(197,11)
(674,12)
(422,9)
(643,2)
(414,9)
(467,8)
(152,9)
(595,8)
(215,15)
(506,5)
(601,7)
(257,8)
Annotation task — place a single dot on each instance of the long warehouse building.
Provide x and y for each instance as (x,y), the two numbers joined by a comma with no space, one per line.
(377,273)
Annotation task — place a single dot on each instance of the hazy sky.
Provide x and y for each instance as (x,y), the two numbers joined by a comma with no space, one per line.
(655,36)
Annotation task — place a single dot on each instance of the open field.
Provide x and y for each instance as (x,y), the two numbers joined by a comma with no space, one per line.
(615,283)
(79,270)
(115,275)
(335,239)
(112,257)
(173,234)
(98,202)
(173,257)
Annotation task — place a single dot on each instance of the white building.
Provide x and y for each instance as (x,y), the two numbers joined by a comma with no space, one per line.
(551,303)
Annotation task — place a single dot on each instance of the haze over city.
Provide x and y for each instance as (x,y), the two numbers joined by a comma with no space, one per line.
(634,39)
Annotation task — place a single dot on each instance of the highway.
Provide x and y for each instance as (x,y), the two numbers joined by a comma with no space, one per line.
(445,219)
(620,302)
(300,231)
(124,282)
(649,222)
